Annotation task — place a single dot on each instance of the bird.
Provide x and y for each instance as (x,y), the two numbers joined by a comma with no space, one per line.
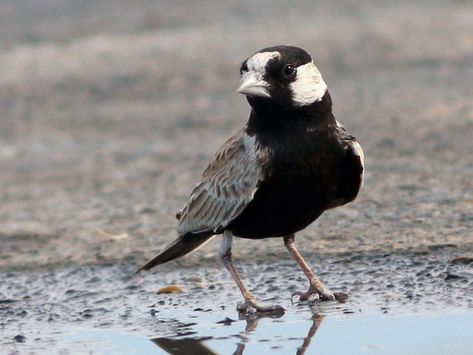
(290,162)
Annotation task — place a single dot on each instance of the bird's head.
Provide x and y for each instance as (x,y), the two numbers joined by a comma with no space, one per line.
(281,75)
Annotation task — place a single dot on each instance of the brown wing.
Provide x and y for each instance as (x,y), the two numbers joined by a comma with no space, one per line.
(228,184)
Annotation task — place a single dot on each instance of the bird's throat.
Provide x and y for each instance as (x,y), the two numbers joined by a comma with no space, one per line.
(267,116)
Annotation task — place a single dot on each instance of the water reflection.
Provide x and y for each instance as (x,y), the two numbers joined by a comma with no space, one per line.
(252,321)
(316,322)
(186,346)
(194,346)
(298,332)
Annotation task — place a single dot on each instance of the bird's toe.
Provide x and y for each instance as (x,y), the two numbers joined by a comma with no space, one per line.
(297,297)
(251,306)
(274,308)
(340,297)
(313,295)
(328,296)
(242,307)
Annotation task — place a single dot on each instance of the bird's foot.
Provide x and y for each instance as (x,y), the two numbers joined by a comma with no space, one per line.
(307,296)
(313,294)
(253,306)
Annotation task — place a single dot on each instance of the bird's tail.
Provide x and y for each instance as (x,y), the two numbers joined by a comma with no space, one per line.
(180,247)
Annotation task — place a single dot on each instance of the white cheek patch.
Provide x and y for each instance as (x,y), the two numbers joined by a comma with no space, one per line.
(258,61)
(309,85)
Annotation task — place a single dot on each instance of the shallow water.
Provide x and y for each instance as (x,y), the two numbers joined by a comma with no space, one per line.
(293,334)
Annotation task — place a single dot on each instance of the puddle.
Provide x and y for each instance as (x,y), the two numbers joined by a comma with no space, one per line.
(294,334)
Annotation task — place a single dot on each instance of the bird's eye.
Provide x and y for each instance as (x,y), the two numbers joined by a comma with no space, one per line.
(288,70)
(243,69)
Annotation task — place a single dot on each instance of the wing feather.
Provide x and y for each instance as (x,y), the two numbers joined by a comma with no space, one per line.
(228,184)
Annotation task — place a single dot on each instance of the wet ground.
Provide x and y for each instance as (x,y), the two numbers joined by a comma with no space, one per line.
(398,303)
(109,111)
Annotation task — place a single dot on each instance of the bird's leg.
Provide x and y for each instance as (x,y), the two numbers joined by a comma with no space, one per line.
(251,304)
(316,287)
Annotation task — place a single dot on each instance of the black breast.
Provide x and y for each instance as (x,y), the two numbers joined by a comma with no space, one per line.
(302,179)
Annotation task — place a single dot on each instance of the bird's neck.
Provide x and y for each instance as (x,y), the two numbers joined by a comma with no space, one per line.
(266,116)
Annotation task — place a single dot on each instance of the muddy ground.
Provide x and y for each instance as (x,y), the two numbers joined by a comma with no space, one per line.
(109,111)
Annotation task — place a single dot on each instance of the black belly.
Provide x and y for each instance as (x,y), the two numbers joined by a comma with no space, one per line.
(281,209)
(296,196)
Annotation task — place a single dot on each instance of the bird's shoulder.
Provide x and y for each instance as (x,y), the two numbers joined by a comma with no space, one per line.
(352,169)
(351,145)
(241,150)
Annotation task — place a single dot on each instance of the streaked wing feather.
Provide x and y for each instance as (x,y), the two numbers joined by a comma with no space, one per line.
(228,184)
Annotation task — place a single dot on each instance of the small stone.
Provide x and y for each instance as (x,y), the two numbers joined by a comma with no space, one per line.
(226,321)
(462,260)
(451,276)
(7,301)
(19,338)
(170,289)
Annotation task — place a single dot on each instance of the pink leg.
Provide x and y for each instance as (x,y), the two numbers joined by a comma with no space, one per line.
(250,304)
(316,287)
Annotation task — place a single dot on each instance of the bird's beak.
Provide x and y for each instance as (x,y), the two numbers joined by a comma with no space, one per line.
(253,84)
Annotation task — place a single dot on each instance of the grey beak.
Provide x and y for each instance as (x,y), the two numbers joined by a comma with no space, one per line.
(253,84)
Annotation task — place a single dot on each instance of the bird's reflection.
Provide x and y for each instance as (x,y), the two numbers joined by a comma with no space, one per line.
(196,346)
(186,346)
(316,322)
(252,321)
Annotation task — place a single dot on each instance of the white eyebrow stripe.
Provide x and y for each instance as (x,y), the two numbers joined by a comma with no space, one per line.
(309,85)
(258,61)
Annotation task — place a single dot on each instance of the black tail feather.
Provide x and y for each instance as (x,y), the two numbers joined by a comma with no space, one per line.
(180,247)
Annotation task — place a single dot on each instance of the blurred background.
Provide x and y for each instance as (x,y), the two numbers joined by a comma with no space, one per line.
(110,110)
